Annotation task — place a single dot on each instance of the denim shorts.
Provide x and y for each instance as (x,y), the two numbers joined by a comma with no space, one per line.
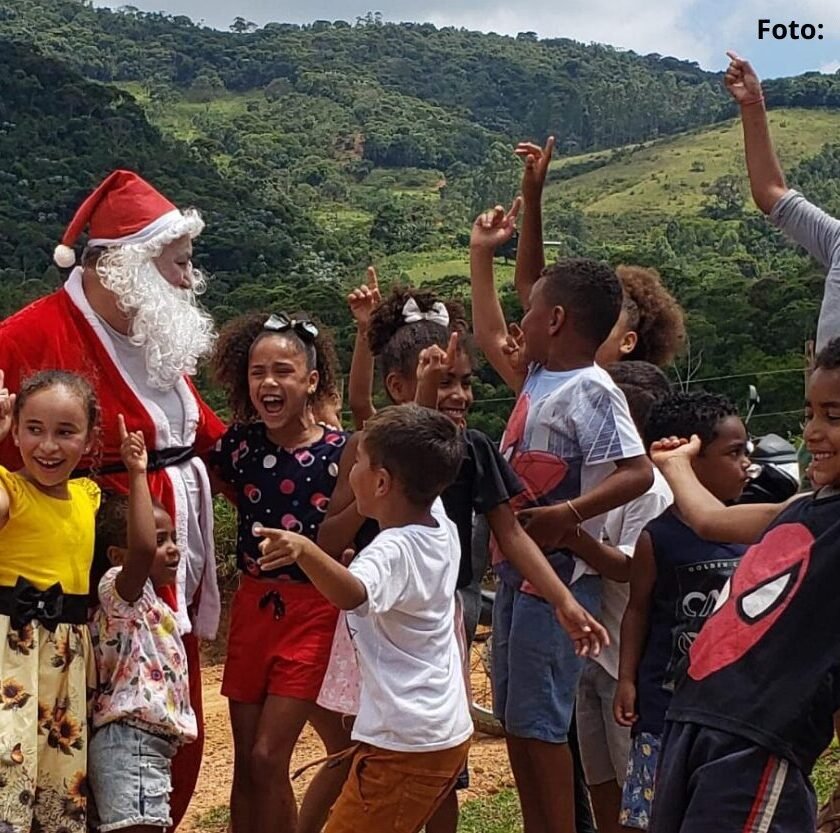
(534,668)
(130,776)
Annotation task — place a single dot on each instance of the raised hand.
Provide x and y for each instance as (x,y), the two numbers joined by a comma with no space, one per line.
(669,449)
(279,548)
(7,407)
(537,160)
(363,299)
(494,227)
(433,364)
(434,361)
(132,448)
(741,81)
(514,349)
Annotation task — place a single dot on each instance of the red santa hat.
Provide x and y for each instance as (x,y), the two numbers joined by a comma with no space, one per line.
(123,209)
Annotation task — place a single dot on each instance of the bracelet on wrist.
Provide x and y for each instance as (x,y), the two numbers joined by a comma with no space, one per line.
(755,100)
(577,515)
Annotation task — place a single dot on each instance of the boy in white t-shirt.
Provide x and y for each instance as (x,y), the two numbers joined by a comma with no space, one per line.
(413,730)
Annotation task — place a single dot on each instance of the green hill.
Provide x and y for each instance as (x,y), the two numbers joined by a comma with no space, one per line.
(669,175)
(315,150)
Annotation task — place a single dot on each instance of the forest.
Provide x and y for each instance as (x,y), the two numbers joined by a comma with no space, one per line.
(315,150)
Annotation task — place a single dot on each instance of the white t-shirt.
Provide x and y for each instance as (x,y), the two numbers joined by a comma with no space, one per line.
(622,529)
(413,697)
(563,439)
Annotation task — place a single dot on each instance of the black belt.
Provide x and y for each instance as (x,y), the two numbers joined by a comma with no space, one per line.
(24,603)
(158,459)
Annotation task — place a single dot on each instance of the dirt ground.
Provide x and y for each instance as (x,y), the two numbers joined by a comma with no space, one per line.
(489,769)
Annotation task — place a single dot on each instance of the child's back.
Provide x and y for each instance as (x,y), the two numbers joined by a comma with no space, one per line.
(413,691)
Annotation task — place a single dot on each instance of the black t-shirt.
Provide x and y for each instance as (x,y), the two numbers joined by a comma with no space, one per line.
(765,666)
(484,481)
(276,488)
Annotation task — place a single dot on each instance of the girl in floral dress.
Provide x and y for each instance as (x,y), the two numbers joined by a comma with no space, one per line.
(142,712)
(46,549)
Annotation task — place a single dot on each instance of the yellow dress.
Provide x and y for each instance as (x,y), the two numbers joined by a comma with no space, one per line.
(46,674)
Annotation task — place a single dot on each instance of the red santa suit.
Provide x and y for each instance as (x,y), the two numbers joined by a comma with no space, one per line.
(62,331)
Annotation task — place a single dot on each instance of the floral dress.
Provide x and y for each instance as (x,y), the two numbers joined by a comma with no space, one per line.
(47,673)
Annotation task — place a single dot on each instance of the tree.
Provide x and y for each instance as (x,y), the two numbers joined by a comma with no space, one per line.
(240,25)
(726,199)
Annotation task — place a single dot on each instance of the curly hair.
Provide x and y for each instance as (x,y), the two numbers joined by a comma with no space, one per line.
(643,384)
(653,313)
(682,414)
(233,351)
(398,344)
(589,290)
(829,357)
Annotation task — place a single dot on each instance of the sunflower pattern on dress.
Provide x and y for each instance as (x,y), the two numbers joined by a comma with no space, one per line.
(46,683)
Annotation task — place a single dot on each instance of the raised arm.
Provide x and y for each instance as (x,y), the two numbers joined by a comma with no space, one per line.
(766,178)
(634,631)
(530,257)
(342,521)
(141,519)
(360,384)
(701,510)
(491,230)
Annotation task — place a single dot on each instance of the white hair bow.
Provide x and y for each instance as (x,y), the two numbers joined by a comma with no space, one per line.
(438,313)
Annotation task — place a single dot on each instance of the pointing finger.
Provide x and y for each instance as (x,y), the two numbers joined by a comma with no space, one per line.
(122,428)
(373,279)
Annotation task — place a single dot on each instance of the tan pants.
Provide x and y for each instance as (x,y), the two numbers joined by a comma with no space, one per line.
(395,791)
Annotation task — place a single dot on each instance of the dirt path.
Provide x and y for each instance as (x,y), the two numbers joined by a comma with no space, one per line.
(489,769)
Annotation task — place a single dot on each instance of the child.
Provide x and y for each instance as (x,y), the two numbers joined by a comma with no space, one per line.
(415,365)
(675,580)
(755,710)
(280,467)
(572,442)
(604,745)
(46,658)
(651,325)
(808,225)
(413,728)
(142,708)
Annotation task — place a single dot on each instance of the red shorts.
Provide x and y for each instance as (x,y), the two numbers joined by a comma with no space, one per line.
(279,643)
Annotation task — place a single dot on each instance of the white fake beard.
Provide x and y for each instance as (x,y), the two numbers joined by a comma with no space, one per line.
(167,322)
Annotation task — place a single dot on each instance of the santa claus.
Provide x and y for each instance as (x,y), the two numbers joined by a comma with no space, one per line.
(128,319)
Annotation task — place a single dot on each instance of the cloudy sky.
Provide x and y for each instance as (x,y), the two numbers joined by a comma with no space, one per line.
(698,30)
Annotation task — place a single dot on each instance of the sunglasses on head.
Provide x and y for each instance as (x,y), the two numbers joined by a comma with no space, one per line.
(280,322)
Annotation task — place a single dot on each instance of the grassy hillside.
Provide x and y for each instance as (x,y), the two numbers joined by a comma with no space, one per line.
(668,175)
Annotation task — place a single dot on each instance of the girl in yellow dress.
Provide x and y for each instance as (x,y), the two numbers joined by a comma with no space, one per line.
(46,549)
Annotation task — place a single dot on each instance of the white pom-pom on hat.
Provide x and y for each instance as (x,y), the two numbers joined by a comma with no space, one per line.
(64,256)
